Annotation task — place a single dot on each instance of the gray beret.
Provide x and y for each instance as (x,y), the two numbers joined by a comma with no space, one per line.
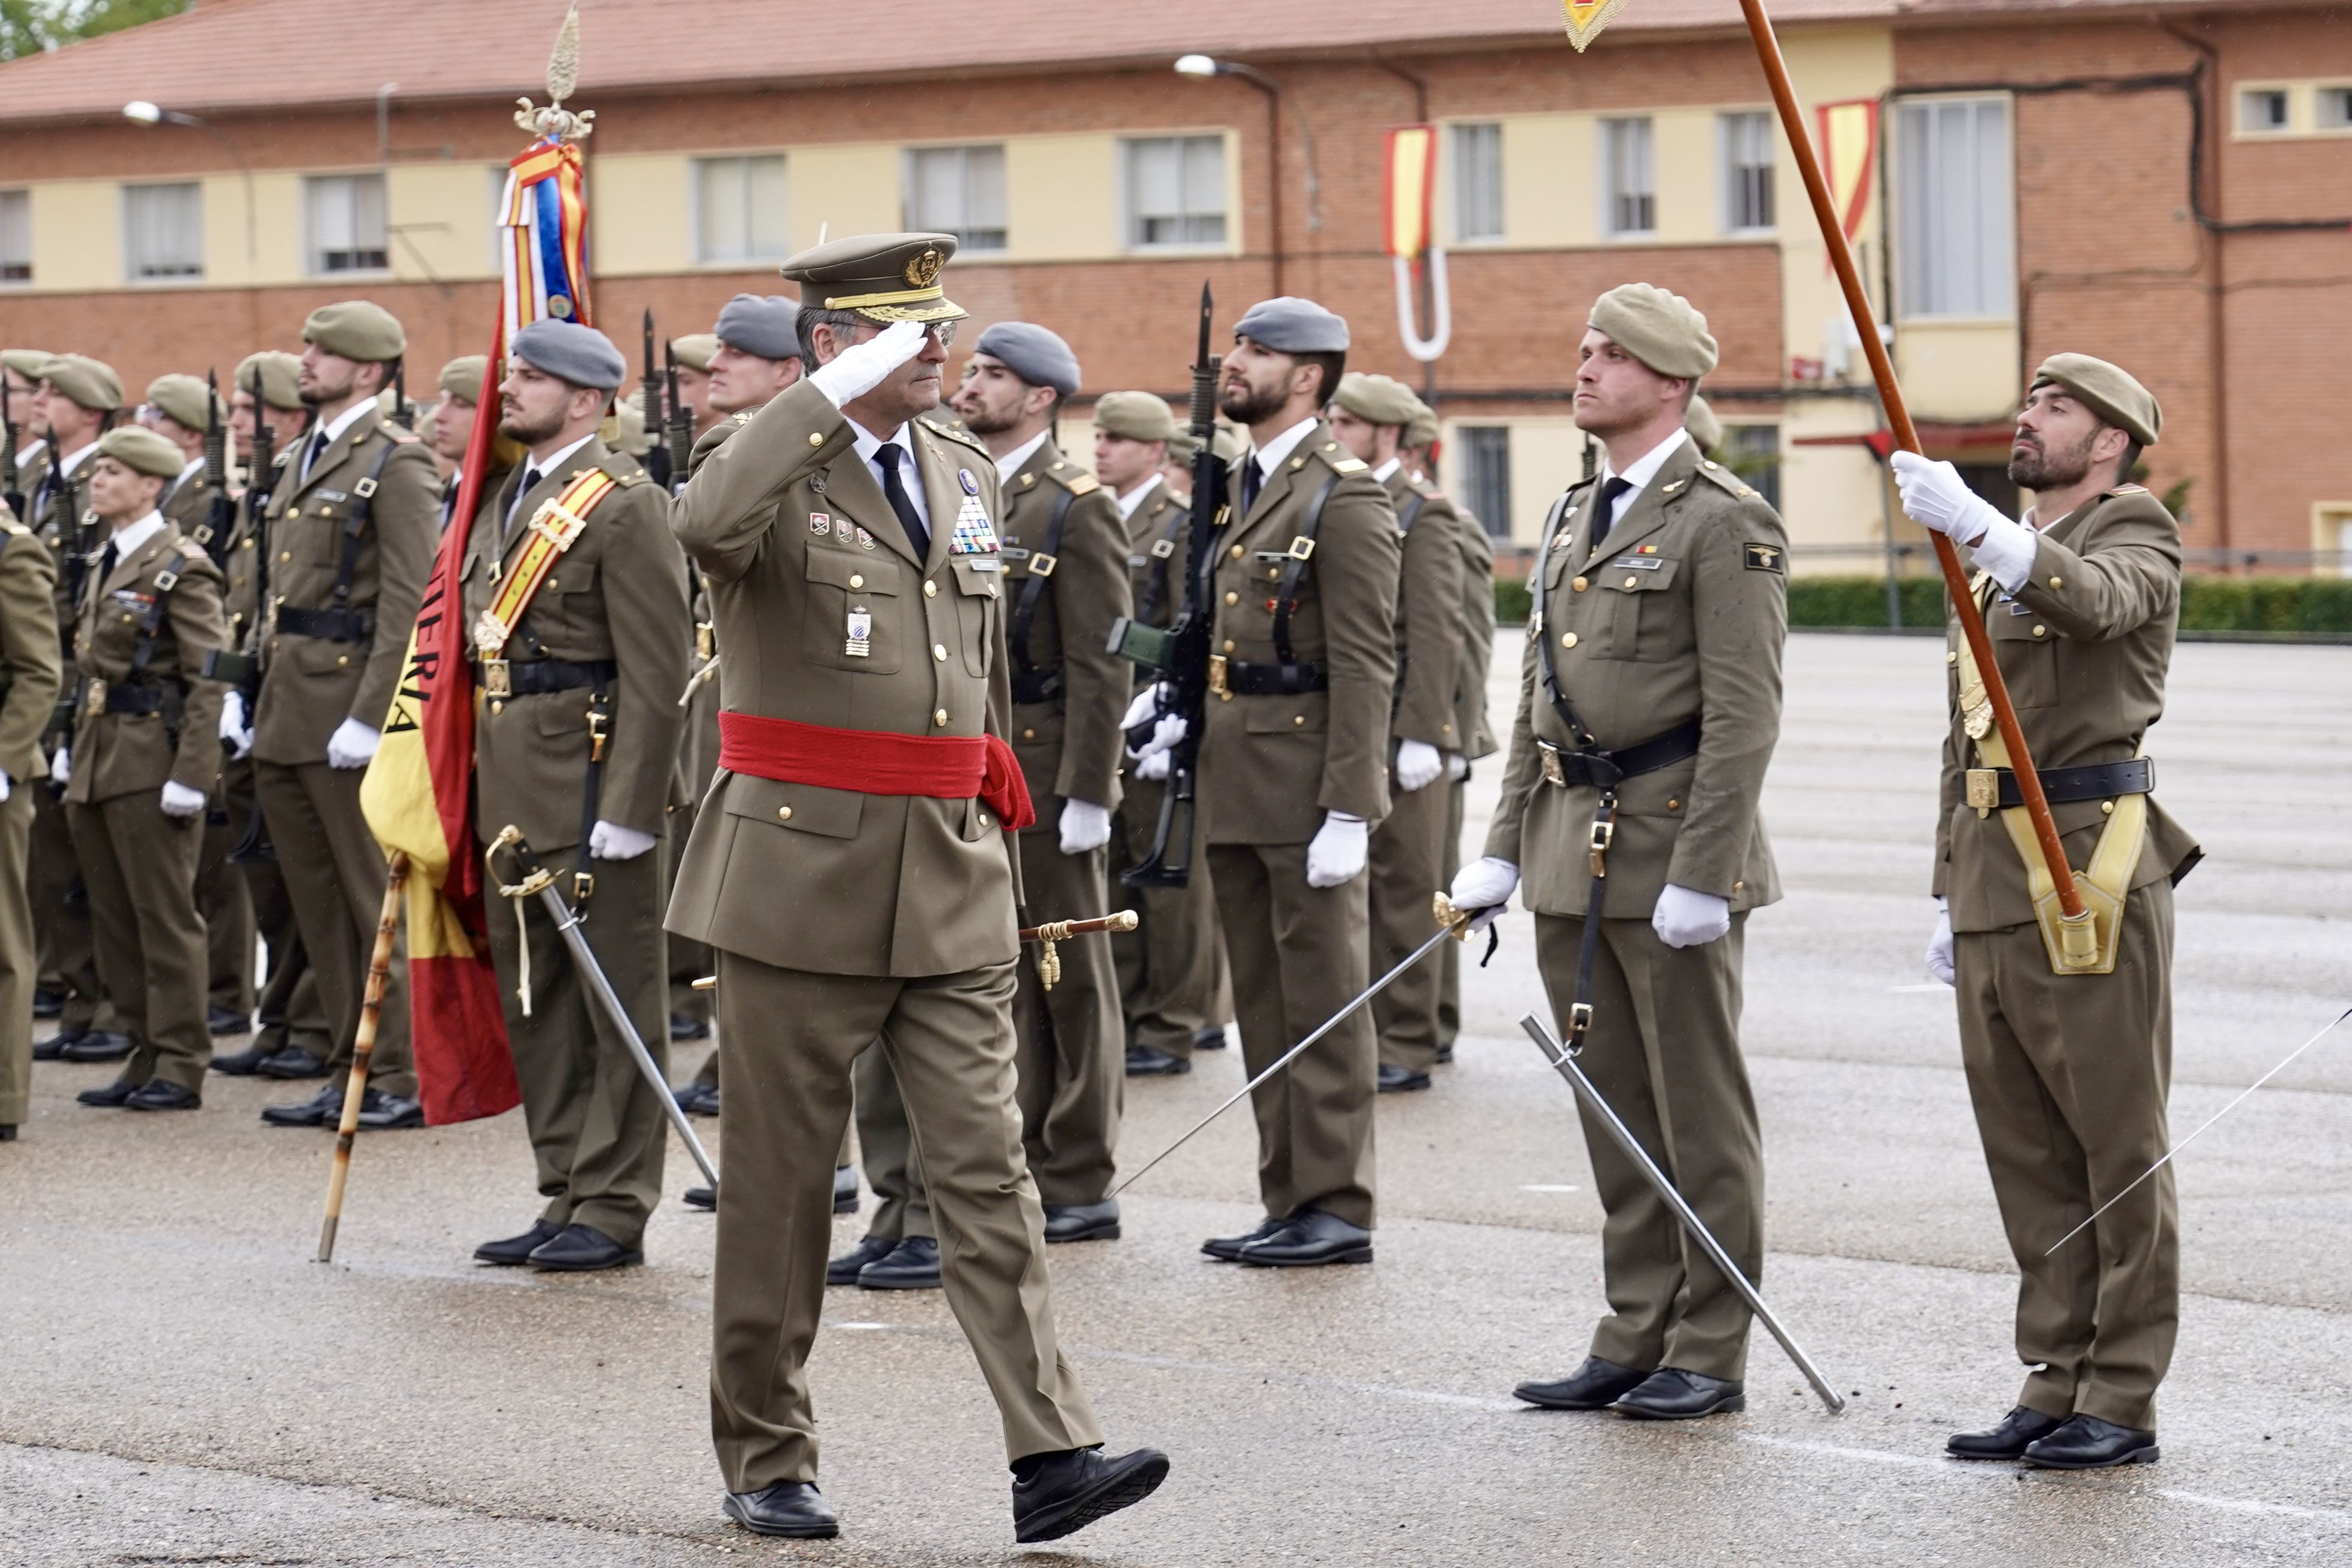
(580,355)
(767,328)
(1035,353)
(1289,325)
(1379,399)
(2108,391)
(1663,329)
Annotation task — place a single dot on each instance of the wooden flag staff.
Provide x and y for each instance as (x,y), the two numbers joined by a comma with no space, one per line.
(362,1047)
(1898,416)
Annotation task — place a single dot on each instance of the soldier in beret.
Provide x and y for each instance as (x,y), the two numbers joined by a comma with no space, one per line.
(21,369)
(1649,705)
(2068,1070)
(1705,429)
(30,661)
(694,354)
(180,409)
(453,423)
(145,756)
(757,354)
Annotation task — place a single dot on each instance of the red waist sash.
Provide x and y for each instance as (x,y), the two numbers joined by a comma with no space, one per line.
(874,762)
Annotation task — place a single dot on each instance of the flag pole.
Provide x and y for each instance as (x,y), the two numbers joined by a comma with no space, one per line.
(1898,416)
(362,1047)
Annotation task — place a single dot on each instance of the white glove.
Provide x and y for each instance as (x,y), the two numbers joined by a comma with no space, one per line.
(1418,764)
(611,841)
(352,745)
(1086,826)
(1935,496)
(179,800)
(861,367)
(7,788)
(1686,918)
(1338,850)
(1164,736)
(1483,884)
(1155,766)
(1147,702)
(1940,947)
(1457,766)
(61,767)
(235,728)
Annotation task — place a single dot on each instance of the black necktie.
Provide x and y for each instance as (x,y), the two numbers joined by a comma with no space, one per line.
(106,559)
(1253,481)
(1606,517)
(318,447)
(894,490)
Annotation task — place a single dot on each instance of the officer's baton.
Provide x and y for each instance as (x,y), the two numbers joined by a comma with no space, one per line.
(1562,1058)
(1462,922)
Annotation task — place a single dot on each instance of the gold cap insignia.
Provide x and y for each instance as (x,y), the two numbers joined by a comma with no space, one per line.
(924,269)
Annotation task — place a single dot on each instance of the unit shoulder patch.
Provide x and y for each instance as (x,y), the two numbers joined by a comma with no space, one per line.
(1763,557)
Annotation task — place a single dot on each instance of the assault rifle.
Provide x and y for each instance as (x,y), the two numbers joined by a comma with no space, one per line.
(213,534)
(658,463)
(11,490)
(403,412)
(678,428)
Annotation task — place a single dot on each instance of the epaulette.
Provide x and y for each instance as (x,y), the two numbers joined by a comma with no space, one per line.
(395,433)
(622,469)
(2128,489)
(8,524)
(958,434)
(743,415)
(1075,480)
(1725,479)
(191,551)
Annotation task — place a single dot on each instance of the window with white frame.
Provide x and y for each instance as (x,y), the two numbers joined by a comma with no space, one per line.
(1629,180)
(1953,208)
(1746,158)
(2336,108)
(1753,452)
(1478,174)
(1175,191)
(2263,108)
(163,233)
(739,209)
(344,215)
(958,190)
(15,236)
(1487,475)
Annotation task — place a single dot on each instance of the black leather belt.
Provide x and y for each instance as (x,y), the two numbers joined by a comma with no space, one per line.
(1036,684)
(541,676)
(140,700)
(1989,788)
(1242,678)
(1606,770)
(327,626)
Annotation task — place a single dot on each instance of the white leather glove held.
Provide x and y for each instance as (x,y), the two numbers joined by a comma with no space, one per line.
(1483,884)
(1940,947)
(352,745)
(1164,735)
(1338,850)
(1686,918)
(235,728)
(179,800)
(1147,702)
(1154,766)
(861,367)
(1457,766)
(61,767)
(1418,764)
(1086,826)
(611,841)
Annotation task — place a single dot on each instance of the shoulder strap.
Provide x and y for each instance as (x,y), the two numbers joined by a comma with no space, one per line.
(1404,523)
(1287,594)
(362,503)
(1032,588)
(1557,520)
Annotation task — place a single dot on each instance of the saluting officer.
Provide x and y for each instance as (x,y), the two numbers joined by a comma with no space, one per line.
(575,599)
(351,532)
(144,757)
(1294,771)
(1649,704)
(1369,414)
(29,663)
(2069,1062)
(858,580)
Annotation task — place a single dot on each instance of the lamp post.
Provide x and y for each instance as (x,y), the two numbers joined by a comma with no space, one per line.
(1278,99)
(140,111)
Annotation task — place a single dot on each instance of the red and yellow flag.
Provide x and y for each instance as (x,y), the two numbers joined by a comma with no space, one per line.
(1586,19)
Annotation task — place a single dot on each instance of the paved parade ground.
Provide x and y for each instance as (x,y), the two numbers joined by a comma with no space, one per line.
(184,1385)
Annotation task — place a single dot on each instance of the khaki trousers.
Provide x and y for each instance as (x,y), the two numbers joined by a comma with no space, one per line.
(223,900)
(140,868)
(1664,1051)
(887,1148)
(1408,869)
(597,1130)
(1298,956)
(287,1012)
(1071,1049)
(1168,966)
(2069,1075)
(789,1038)
(1449,957)
(690,960)
(61,919)
(335,873)
(19,962)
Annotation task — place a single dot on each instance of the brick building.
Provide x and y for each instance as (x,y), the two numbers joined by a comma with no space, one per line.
(2167,185)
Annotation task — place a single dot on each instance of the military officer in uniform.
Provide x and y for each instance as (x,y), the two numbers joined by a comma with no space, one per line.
(452,423)
(145,756)
(757,356)
(2069,1058)
(29,662)
(1294,774)
(179,408)
(1649,705)
(693,354)
(351,532)
(858,585)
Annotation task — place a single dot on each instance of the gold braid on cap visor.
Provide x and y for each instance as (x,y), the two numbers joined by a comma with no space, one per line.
(895,306)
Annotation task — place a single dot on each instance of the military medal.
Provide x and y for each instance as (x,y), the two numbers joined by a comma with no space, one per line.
(864,540)
(820,524)
(860,642)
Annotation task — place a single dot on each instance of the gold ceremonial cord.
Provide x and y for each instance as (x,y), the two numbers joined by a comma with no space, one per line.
(517,893)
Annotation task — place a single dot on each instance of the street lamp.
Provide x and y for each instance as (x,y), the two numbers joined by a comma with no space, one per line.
(139,112)
(1205,66)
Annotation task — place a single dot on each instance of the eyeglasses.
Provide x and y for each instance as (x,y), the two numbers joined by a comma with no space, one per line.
(942,333)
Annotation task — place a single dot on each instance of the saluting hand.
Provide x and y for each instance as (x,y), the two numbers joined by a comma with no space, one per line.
(861,367)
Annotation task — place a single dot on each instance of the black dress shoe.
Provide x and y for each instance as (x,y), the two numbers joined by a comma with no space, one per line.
(1056,1494)
(293,1062)
(156,1094)
(1595,1385)
(845,1269)
(1082,1222)
(2087,1443)
(324,1108)
(1310,1240)
(845,1189)
(1150,1061)
(228,1021)
(582,1249)
(1402,1081)
(1228,1248)
(515,1251)
(698,1098)
(704,1198)
(8,1132)
(682,1027)
(912,1265)
(244,1063)
(382,1112)
(48,1004)
(98,1046)
(1209,1039)
(794,1510)
(1671,1394)
(112,1095)
(52,1047)
(2005,1439)
(1445,1053)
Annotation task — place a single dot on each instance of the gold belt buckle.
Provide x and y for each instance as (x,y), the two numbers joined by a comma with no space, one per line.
(497,677)
(1552,772)
(1984,790)
(1603,834)
(1217,675)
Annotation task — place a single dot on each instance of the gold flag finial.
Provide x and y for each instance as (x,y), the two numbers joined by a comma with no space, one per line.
(555,122)
(1585,19)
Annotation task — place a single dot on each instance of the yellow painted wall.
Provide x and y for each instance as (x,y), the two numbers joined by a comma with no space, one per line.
(1959,370)
(641,213)
(76,235)
(843,190)
(439,219)
(1683,149)
(1061,198)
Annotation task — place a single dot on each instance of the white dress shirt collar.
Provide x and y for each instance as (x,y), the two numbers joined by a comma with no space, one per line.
(350,416)
(132,537)
(1134,498)
(1641,471)
(542,468)
(189,472)
(1010,464)
(1385,470)
(868,444)
(1269,457)
(73,460)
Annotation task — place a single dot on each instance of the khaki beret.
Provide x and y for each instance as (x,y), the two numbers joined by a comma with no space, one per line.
(2108,391)
(1138,415)
(1663,330)
(27,362)
(1181,447)
(185,398)
(694,350)
(357,330)
(1381,399)
(273,377)
(631,415)
(461,378)
(1421,431)
(89,382)
(148,451)
(1704,427)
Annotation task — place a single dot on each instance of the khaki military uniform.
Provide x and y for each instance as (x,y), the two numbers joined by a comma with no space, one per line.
(897,922)
(60,898)
(30,661)
(1677,617)
(1408,851)
(1272,764)
(594,665)
(147,714)
(698,759)
(1478,742)
(328,656)
(2070,1073)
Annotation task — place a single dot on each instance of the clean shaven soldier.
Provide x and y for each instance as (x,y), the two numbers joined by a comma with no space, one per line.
(351,532)
(694,352)
(2069,1073)
(580,651)
(757,354)
(29,663)
(1168,966)
(1369,414)
(1065,552)
(176,409)
(855,577)
(1649,705)
(1294,772)
(144,757)
(453,423)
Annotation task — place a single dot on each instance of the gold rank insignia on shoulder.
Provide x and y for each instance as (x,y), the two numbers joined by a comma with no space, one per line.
(1349,465)
(1081,484)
